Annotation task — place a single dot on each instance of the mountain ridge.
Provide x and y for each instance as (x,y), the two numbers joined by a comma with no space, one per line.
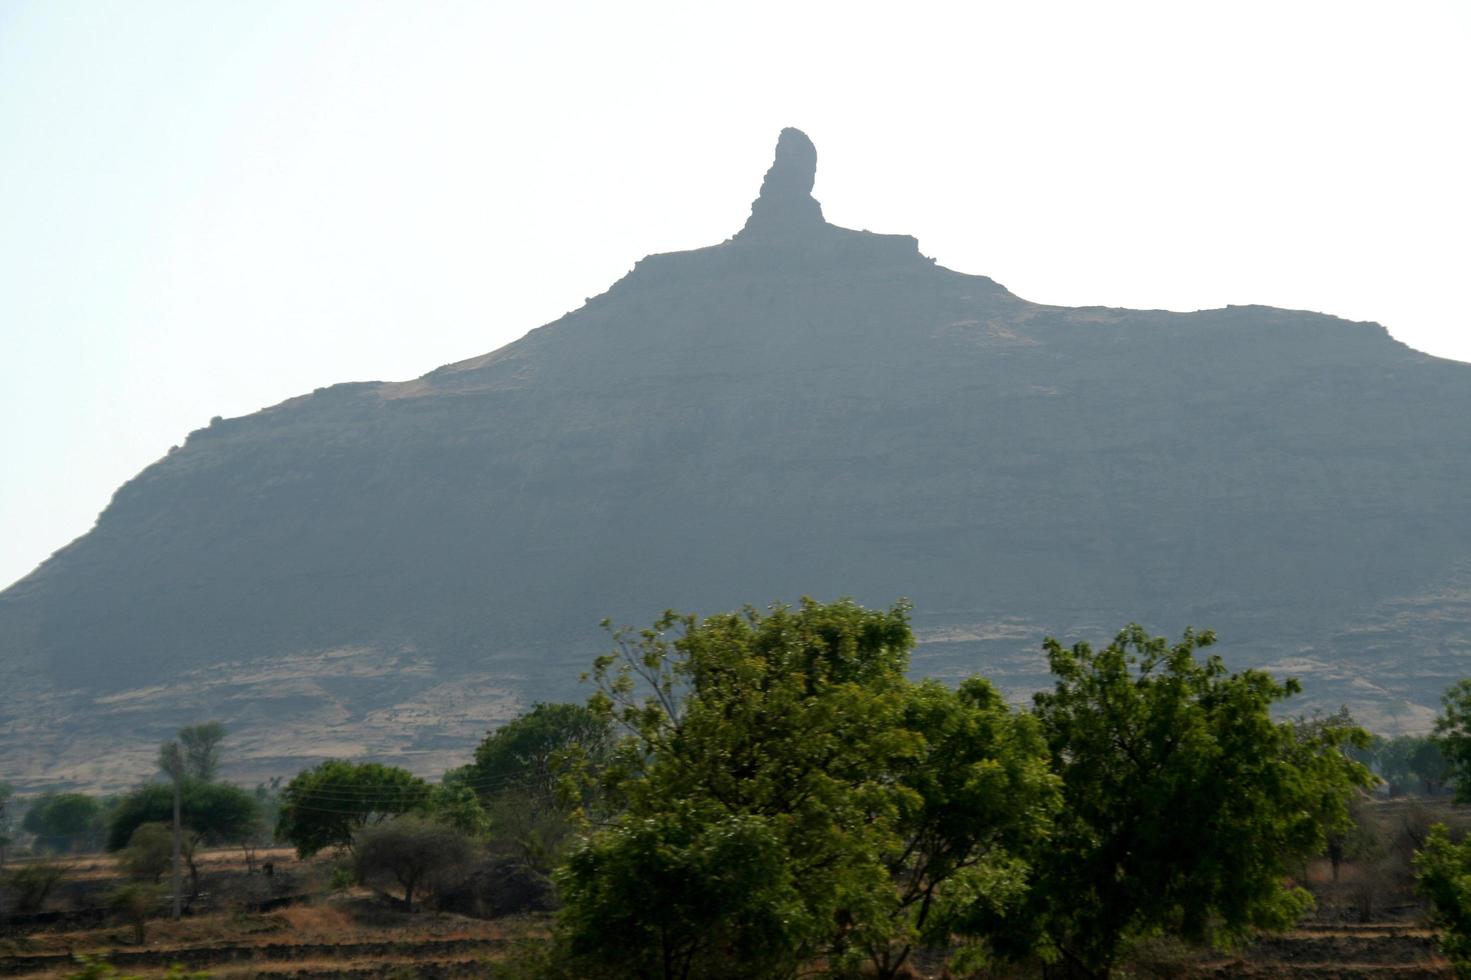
(799,409)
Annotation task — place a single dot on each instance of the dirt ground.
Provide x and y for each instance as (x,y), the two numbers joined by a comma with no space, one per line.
(317,932)
(349,934)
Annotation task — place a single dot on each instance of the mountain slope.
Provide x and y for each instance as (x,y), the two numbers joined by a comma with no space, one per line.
(386,568)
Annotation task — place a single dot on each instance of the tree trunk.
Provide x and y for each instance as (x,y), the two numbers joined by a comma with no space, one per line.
(178,882)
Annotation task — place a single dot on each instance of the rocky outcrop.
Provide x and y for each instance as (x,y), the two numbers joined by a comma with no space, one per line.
(387,568)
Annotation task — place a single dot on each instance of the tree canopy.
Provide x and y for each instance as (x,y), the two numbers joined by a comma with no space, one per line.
(522,754)
(201,749)
(328,805)
(63,821)
(788,795)
(1444,878)
(413,851)
(1453,733)
(1185,806)
(216,813)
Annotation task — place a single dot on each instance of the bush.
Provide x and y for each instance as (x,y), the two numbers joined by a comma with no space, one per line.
(1445,880)
(64,822)
(150,852)
(414,852)
(32,883)
(499,886)
(134,903)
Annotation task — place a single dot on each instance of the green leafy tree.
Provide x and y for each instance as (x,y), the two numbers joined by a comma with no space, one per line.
(64,821)
(1429,764)
(526,776)
(1185,806)
(1443,877)
(693,891)
(978,799)
(1411,763)
(414,851)
(211,814)
(216,813)
(787,796)
(457,805)
(329,805)
(525,755)
(200,745)
(1453,734)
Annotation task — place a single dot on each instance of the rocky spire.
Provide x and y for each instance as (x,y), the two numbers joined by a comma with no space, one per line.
(785,205)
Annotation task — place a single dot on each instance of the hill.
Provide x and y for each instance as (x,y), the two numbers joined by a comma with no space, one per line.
(386,569)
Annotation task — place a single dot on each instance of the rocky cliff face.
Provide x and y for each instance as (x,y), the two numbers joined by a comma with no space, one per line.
(387,569)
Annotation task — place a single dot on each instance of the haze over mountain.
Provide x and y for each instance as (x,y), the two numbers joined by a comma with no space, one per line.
(387,568)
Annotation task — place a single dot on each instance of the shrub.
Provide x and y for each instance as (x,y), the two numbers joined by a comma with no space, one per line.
(134,903)
(32,883)
(414,852)
(150,852)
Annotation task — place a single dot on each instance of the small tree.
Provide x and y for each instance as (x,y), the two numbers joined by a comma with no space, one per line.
(149,852)
(416,852)
(1453,733)
(523,756)
(458,806)
(1444,878)
(211,813)
(6,792)
(63,822)
(330,805)
(135,903)
(1429,764)
(33,882)
(522,772)
(201,749)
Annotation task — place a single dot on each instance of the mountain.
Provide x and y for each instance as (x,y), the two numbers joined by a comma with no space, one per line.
(386,569)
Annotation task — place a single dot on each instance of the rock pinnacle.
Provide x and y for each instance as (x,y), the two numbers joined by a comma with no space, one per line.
(785,204)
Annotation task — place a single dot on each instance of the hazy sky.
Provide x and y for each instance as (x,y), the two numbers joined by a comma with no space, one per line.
(206,208)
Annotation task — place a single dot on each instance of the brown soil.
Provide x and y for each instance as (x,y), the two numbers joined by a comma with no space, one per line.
(349,935)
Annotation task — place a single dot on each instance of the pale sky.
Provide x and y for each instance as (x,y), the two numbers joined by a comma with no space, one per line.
(206,208)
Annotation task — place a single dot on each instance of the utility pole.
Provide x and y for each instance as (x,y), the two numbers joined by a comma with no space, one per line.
(171,760)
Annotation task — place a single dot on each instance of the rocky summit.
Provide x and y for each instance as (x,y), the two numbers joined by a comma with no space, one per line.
(387,569)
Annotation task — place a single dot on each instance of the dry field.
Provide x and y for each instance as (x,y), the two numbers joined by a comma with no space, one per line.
(347,935)
(357,934)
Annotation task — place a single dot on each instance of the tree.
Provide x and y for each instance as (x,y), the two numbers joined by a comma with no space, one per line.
(1443,877)
(216,813)
(523,755)
(63,821)
(415,851)
(787,796)
(149,852)
(211,814)
(1429,764)
(456,805)
(684,893)
(201,748)
(981,799)
(1412,762)
(135,903)
(6,792)
(33,882)
(1453,733)
(328,806)
(1185,806)
(523,773)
